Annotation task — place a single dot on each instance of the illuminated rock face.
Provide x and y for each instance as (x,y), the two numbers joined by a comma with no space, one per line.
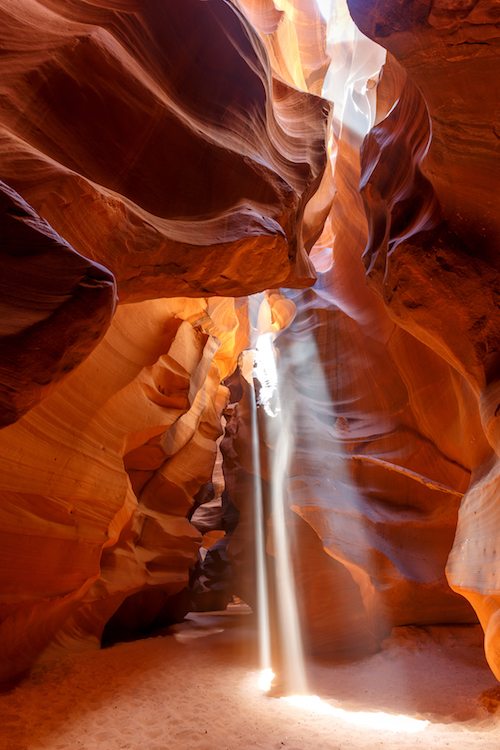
(97,481)
(385,434)
(383,380)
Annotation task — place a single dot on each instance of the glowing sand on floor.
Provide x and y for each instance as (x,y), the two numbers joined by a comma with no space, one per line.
(265,679)
(374,720)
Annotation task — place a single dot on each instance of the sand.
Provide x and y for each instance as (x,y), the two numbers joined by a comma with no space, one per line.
(195,687)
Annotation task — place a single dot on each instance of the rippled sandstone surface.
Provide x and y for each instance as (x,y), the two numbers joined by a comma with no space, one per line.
(172,157)
(149,156)
(179,169)
(385,363)
(434,218)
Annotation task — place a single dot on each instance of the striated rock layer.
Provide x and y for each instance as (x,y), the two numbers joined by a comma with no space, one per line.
(79,533)
(149,152)
(434,219)
(174,154)
(55,306)
(383,381)
(155,140)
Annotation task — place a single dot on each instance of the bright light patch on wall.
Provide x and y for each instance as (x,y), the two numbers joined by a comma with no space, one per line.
(325,8)
(266,372)
(377,720)
(350,82)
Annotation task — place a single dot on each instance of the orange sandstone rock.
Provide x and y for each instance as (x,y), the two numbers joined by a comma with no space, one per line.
(386,427)
(77,539)
(154,139)
(56,306)
(435,222)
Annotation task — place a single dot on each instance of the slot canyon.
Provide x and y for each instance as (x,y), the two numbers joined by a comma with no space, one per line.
(250,302)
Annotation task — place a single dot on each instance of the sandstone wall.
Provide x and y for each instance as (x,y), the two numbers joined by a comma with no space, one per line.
(385,363)
(149,158)
(172,158)
(433,212)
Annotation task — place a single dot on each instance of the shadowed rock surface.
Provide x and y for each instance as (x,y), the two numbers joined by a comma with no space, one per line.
(56,306)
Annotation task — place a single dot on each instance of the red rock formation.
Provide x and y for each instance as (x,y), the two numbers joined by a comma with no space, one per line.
(379,461)
(177,168)
(438,272)
(154,139)
(77,539)
(177,147)
(55,305)
(387,428)
(294,33)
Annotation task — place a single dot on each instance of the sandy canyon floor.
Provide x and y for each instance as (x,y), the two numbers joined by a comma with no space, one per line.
(194,687)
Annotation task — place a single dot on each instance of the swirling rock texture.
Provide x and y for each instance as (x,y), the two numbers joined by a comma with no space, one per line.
(434,226)
(148,152)
(383,380)
(55,305)
(177,167)
(80,534)
(173,154)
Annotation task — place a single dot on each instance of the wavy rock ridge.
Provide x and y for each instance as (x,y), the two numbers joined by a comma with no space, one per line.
(391,421)
(174,155)
(434,230)
(148,167)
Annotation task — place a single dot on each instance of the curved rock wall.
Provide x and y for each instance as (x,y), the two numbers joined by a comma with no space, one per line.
(148,153)
(177,168)
(383,380)
(98,479)
(434,219)
(174,155)
(55,304)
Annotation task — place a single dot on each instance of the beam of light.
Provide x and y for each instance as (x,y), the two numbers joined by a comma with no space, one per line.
(260,551)
(260,364)
(355,67)
(291,639)
(266,371)
(376,720)
(247,366)
(325,8)
(315,410)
